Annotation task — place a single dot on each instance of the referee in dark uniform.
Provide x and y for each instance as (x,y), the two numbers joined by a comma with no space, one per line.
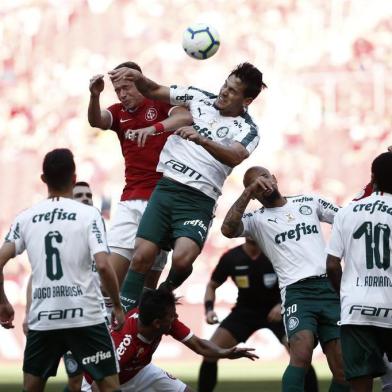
(258,306)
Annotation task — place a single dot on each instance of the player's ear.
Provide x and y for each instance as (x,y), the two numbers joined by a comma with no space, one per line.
(274,178)
(43,179)
(247,102)
(73,179)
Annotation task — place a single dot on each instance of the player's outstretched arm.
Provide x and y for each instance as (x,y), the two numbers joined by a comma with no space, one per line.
(209,349)
(7,252)
(178,117)
(96,117)
(231,155)
(147,87)
(110,284)
(334,272)
(209,299)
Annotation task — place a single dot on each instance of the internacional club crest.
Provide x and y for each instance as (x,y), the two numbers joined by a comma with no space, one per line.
(151,114)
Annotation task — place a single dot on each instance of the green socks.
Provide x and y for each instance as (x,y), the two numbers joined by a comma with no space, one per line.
(335,387)
(175,278)
(293,379)
(131,289)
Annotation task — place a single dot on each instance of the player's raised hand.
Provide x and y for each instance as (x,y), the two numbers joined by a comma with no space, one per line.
(239,352)
(189,133)
(262,184)
(118,318)
(125,73)
(97,84)
(6,315)
(212,317)
(141,135)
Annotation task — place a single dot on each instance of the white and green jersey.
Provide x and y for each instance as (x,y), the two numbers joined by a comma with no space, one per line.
(60,235)
(291,236)
(361,235)
(189,163)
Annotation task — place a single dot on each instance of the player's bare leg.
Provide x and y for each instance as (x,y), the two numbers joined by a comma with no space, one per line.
(301,351)
(152,279)
(33,383)
(361,384)
(185,253)
(74,383)
(333,352)
(142,261)
(109,384)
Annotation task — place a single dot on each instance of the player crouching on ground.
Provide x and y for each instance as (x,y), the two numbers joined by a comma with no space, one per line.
(140,337)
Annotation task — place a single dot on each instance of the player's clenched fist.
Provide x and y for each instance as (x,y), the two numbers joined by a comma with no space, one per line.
(97,84)
(211,317)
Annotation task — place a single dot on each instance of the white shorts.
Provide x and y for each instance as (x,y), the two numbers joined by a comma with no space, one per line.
(122,233)
(150,379)
(153,379)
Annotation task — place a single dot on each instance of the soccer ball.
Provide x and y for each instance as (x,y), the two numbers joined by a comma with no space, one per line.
(200,41)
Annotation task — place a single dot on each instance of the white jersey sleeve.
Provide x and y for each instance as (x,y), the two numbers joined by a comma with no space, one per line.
(184,95)
(249,135)
(97,237)
(15,235)
(326,210)
(336,244)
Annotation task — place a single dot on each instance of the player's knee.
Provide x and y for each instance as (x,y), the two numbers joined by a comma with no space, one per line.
(181,264)
(300,357)
(142,261)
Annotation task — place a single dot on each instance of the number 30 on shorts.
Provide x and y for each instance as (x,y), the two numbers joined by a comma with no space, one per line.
(291,310)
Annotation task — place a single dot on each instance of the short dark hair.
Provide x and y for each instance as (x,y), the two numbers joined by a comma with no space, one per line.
(251,77)
(58,168)
(154,304)
(81,183)
(129,64)
(382,172)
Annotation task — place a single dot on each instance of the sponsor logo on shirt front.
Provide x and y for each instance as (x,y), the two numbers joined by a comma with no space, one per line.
(301,229)
(371,311)
(126,342)
(60,314)
(184,169)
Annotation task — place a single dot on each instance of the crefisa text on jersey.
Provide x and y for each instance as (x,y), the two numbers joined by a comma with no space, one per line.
(55,214)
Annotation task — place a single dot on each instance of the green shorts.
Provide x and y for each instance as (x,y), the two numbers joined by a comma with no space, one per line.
(176,210)
(91,347)
(313,305)
(72,367)
(363,348)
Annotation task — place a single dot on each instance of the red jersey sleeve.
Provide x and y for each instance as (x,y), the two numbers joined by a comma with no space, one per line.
(180,331)
(114,110)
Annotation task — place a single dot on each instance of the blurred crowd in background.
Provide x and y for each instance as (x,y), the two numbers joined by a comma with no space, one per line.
(326,113)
